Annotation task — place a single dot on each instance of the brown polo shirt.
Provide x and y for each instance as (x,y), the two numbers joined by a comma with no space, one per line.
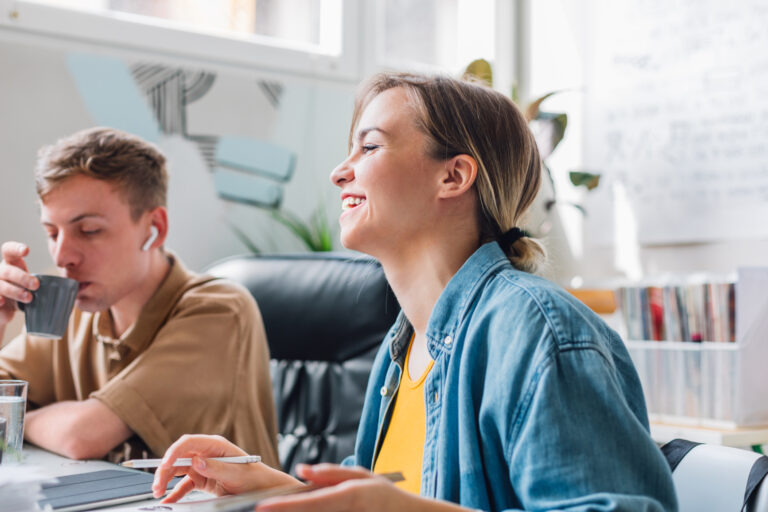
(195,362)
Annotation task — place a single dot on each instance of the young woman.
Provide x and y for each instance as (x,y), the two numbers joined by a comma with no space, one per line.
(495,389)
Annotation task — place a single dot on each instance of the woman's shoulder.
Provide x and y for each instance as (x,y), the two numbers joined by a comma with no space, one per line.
(524,299)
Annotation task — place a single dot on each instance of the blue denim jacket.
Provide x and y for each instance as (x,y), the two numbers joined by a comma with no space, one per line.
(532,402)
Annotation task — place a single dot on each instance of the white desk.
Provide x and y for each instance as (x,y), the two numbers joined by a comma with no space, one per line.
(56,465)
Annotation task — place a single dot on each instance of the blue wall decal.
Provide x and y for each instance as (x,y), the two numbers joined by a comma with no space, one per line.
(111,96)
(151,99)
(243,188)
(256,156)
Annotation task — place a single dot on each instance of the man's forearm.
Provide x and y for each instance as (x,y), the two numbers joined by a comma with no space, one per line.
(78,430)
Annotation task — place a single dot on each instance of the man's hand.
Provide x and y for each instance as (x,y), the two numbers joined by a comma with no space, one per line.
(15,280)
(77,430)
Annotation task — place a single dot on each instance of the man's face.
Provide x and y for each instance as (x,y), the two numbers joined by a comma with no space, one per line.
(93,239)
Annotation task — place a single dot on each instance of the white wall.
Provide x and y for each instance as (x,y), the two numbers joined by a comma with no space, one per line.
(40,103)
(37,106)
(559,52)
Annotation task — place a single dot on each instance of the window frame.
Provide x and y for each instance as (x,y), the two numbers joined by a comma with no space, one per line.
(143,37)
(124,32)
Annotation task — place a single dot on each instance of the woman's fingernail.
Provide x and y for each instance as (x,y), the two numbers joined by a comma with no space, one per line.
(198,463)
(303,469)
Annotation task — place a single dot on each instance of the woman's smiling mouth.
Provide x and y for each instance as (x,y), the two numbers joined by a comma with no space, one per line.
(350,202)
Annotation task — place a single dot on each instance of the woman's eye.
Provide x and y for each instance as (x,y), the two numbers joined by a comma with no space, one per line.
(369,147)
(91,232)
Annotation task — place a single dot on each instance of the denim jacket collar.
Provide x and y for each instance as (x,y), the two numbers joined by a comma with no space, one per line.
(452,305)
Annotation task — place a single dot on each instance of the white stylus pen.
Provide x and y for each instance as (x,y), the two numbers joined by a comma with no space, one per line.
(153,463)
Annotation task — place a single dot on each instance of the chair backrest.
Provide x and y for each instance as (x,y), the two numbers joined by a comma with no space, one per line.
(717,478)
(325,316)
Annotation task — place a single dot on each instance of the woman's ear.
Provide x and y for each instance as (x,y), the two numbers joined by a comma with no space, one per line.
(458,176)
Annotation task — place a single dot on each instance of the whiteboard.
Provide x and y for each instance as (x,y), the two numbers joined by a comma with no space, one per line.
(677,114)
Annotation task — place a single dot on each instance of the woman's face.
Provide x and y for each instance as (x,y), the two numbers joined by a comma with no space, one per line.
(388,182)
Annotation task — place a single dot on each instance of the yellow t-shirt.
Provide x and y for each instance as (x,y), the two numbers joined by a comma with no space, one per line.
(403,446)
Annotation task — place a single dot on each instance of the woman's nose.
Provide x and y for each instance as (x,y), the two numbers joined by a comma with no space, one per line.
(343,173)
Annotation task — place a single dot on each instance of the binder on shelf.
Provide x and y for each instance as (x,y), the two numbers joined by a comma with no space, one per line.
(709,370)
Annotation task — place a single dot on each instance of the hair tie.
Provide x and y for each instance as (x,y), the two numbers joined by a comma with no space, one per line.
(511,236)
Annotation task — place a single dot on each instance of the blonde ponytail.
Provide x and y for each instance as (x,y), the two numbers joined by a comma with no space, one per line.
(526,254)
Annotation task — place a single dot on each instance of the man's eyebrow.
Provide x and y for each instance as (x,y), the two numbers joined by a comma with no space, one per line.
(365,131)
(78,218)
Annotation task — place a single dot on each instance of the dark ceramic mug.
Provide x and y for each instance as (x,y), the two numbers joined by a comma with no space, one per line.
(47,315)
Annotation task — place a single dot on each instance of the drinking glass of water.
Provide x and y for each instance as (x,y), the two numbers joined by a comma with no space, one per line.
(13,402)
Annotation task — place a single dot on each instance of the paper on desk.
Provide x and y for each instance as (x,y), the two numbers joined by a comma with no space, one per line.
(203,502)
(20,487)
(207,505)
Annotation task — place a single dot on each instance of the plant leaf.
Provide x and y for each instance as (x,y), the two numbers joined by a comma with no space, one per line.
(551,204)
(315,233)
(481,70)
(514,95)
(532,110)
(296,226)
(244,239)
(325,242)
(579,207)
(551,180)
(561,123)
(585,179)
(548,130)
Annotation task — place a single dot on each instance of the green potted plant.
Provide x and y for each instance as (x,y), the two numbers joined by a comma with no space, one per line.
(548,128)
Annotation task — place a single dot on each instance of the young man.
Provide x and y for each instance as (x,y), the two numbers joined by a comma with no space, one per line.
(152,351)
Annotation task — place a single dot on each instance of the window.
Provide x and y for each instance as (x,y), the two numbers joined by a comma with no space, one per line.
(314,24)
(337,40)
(309,38)
(441,34)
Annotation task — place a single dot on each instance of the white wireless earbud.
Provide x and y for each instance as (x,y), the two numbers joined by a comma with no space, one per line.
(153,232)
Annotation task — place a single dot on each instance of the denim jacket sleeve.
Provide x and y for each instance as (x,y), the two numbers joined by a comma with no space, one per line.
(566,453)
(533,403)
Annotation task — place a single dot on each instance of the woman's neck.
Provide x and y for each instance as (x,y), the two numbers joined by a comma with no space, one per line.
(419,273)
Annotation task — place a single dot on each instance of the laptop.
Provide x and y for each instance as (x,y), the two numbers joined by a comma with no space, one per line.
(86,491)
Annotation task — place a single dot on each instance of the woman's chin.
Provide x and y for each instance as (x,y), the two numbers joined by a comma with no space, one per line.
(354,241)
(347,240)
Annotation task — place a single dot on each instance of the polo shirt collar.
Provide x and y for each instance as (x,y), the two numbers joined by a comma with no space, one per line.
(152,315)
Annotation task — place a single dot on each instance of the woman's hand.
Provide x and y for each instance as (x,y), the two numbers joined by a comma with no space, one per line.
(212,476)
(349,489)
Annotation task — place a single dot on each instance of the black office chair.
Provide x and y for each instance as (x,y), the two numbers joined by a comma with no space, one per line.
(325,315)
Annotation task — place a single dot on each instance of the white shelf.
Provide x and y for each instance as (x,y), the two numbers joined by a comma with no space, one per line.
(739,437)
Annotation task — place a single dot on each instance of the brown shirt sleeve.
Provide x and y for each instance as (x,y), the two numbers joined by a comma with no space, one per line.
(31,359)
(188,379)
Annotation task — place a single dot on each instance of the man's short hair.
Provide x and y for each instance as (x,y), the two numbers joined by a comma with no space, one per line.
(134,166)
